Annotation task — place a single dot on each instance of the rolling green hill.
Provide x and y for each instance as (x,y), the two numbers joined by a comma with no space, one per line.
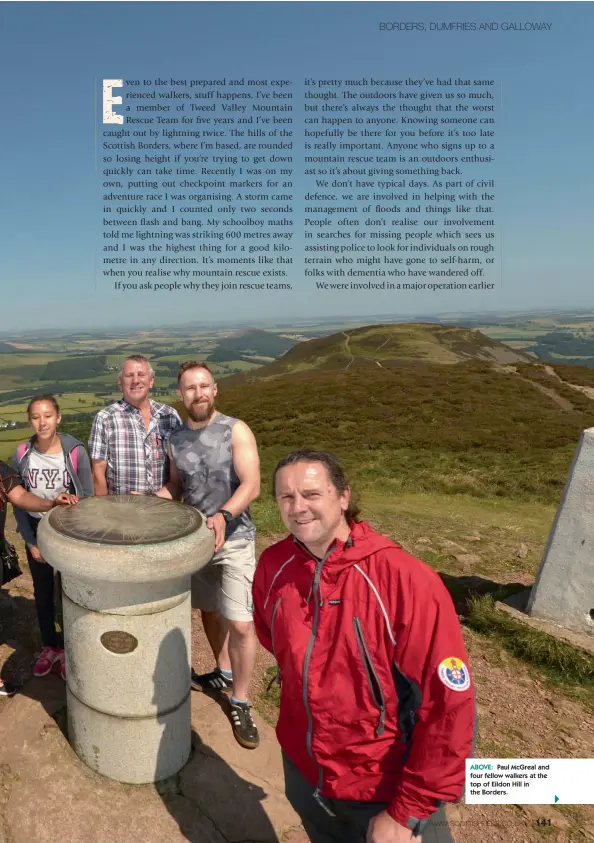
(386,347)
(418,408)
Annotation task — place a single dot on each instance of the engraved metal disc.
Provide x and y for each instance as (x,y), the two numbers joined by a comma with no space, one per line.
(125,520)
(117,641)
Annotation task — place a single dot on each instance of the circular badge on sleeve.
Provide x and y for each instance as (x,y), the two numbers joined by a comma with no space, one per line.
(454,674)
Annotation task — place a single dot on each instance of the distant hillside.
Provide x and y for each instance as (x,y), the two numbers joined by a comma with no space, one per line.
(257,342)
(72,368)
(428,407)
(475,428)
(386,347)
(6,348)
(420,407)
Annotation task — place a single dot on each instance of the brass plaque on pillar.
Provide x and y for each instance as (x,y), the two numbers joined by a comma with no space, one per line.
(119,642)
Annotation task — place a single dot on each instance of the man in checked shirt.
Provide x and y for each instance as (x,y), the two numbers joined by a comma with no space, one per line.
(128,444)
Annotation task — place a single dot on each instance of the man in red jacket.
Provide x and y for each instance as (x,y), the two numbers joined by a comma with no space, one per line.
(377,707)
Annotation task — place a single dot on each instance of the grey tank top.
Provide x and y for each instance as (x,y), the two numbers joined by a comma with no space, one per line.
(204,461)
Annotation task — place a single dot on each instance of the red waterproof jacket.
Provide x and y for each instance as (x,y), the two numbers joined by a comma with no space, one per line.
(377,703)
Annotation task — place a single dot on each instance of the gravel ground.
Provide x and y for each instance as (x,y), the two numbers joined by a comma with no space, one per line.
(519,716)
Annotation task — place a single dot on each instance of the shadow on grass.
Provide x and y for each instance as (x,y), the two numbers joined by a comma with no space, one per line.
(463,589)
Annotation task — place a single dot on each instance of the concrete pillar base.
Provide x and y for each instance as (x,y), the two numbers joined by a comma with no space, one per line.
(126,563)
(132,750)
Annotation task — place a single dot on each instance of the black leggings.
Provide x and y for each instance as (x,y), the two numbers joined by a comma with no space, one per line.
(45,581)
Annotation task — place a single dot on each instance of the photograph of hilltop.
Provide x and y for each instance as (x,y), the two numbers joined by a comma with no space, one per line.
(458,435)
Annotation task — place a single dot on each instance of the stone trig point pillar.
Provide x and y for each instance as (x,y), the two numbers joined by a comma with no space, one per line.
(126,563)
(564,587)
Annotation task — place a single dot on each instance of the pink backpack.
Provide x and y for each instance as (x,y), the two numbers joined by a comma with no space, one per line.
(73,455)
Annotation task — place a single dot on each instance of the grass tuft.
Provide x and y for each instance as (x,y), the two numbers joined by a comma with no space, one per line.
(561,661)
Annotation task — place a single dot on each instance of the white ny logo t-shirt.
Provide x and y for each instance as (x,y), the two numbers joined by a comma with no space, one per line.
(46,476)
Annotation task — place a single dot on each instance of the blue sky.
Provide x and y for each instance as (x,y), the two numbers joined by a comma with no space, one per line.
(54,56)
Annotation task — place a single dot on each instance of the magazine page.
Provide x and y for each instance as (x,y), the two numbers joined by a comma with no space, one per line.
(307,284)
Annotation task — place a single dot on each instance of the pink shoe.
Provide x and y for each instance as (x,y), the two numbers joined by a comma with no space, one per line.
(62,659)
(46,660)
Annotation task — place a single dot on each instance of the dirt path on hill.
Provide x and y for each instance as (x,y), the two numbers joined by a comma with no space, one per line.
(587,390)
(550,393)
(348,350)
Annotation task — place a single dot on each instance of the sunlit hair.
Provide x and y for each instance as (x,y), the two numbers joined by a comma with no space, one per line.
(335,473)
(137,358)
(51,399)
(193,364)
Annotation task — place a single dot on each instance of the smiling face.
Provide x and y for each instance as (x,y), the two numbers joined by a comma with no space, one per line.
(198,391)
(135,381)
(44,420)
(311,506)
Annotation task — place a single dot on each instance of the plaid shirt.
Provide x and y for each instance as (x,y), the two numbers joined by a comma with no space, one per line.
(136,458)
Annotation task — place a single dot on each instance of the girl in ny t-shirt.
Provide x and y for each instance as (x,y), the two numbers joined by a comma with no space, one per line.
(48,464)
(11,491)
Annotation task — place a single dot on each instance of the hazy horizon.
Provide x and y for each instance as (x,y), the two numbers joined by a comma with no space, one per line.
(296,321)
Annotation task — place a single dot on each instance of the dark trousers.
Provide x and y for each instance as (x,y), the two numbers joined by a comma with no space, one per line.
(46,582)
(352,818)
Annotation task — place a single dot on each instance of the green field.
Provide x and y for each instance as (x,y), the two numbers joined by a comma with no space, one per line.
(72,402)
(9,440)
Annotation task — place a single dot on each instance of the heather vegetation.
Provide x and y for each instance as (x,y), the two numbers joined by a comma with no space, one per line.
(467,428)
(580,375)
(389,346)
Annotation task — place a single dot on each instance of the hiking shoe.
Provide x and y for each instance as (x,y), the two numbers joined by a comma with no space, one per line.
(45,661)
(244,728)
(62,660)
(214,681)
(7,689)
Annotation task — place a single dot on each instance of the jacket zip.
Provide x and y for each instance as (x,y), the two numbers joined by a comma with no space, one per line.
(276,678)
(319,602)
(372,677)
(274,608)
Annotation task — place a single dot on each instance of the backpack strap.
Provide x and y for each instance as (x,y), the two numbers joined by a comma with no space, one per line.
(73,455)
(74,458)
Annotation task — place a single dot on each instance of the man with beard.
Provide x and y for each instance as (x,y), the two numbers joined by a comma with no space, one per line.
(128,444)
(215,467)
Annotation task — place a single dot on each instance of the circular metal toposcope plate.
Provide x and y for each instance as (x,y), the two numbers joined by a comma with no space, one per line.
(125,520)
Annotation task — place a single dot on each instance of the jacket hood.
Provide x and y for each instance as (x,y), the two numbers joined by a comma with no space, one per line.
(68,442)
(362,542)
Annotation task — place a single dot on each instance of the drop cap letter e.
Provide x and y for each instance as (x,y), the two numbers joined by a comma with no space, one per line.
(109,100)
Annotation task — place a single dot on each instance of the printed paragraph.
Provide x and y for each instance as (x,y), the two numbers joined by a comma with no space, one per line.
(206,167)
(401,184)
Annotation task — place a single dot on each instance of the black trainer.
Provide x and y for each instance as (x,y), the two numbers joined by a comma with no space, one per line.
(244,728)
(213,681)
(7,689)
